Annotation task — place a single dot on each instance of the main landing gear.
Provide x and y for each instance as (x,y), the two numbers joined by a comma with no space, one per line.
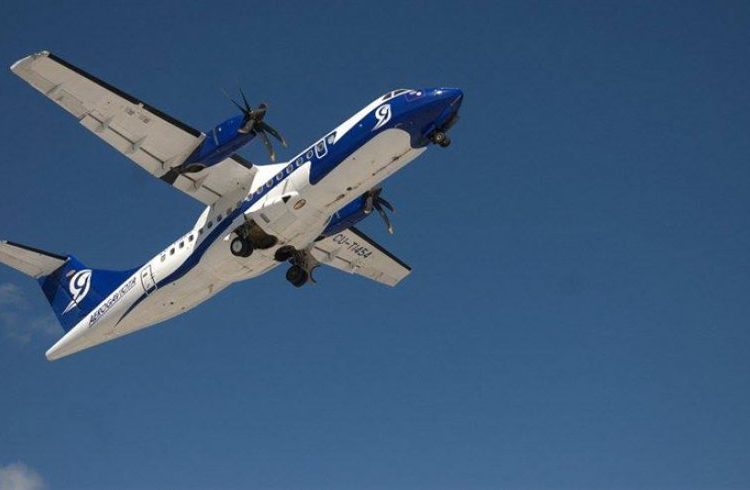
(241,247)
(300,272)
(249,237)
(297,276)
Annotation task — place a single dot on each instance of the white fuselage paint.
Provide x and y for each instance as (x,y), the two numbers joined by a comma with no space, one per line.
(370,164)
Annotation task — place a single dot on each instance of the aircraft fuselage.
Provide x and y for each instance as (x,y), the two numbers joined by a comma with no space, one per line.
(290,203)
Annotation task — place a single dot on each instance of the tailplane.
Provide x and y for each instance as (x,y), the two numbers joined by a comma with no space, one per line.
(72,289)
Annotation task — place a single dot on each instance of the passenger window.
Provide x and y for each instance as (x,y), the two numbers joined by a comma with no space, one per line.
(171,251)
(182,244)
(218,218)
(229,210)
(190,238)
(210,224)
(163,257)
(309,154)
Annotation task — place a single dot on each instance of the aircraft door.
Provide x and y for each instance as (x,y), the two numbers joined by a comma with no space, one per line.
(147,280)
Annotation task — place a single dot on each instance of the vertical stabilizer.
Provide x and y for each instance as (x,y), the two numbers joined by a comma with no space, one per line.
(72,289)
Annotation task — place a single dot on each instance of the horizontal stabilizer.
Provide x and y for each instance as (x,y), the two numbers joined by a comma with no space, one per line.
(29,260)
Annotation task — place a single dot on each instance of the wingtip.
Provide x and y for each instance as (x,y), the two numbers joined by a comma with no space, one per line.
(14,67)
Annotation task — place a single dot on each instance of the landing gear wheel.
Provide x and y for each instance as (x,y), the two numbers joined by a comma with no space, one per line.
(439,138)
(446,142)
(241,247)
(297,276)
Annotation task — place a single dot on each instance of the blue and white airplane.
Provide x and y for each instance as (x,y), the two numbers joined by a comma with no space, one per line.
(257,216)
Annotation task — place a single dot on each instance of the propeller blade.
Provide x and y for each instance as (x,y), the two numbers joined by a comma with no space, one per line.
(268,145)
(234,102)
(267,127)
(248,108)
(386,204)
(260,112)
(385,217)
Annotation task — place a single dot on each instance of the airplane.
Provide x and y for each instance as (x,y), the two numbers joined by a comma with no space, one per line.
(300,212)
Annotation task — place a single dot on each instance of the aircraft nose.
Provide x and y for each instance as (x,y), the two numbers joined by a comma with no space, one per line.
(452,96)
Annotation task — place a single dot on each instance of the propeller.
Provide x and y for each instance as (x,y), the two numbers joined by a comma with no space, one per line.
(254,123)
(373,200)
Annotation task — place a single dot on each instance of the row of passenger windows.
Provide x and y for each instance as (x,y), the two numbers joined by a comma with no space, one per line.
(191,236)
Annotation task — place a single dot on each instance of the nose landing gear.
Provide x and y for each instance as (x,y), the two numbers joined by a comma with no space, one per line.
(440,138)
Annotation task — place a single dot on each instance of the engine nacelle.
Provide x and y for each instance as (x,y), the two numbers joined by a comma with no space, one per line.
(348,216)
(221,142)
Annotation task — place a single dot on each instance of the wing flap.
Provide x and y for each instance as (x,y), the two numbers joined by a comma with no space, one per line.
(151,158)
(146,135)
(354,252)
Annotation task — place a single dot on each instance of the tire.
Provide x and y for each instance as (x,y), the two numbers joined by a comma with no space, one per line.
(297,276)
(241,247)
(438,137)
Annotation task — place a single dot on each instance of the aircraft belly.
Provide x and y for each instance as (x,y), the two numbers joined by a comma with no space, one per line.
(304,214)
(170,300)
(220,264)
(379,158)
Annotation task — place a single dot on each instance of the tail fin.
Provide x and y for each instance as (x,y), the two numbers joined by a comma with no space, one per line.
(72,289)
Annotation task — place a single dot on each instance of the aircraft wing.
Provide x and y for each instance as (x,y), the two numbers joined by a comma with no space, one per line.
(354,252)
(152,139)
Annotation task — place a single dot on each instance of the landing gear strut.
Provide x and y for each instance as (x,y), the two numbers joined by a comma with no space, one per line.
(241,247)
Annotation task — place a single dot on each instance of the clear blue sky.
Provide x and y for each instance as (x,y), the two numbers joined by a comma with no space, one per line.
(577,317)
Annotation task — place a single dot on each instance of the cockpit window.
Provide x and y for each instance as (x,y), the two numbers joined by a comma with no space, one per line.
(413,94)
(395,93)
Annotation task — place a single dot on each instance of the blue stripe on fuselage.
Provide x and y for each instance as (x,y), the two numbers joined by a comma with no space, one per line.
(336,153)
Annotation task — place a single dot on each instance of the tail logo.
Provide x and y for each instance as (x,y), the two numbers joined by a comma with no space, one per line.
(79,287)
(383,115)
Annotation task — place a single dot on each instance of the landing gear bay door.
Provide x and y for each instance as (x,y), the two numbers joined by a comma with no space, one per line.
(354,252)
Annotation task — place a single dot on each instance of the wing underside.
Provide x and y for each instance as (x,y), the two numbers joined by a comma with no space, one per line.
(354,252)
(154,140)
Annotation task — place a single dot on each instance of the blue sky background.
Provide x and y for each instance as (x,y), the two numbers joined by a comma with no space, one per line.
(577,317)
